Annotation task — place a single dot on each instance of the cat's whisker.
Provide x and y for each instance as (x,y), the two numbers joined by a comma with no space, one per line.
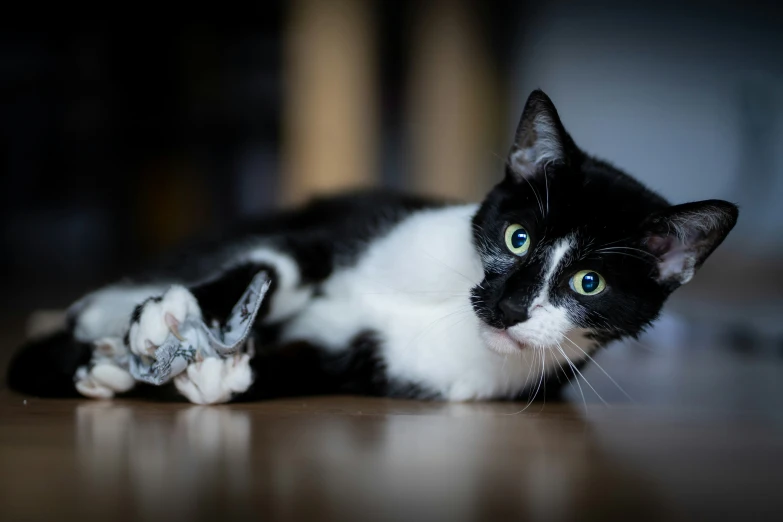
(529,366)
(557,375)
(543,372)
(626,248)
(581,392)
(615,242)
(469,280)
(426,329)
(538,199)
(622,254)
(600,368)
(568,359)
(568,378)
(640,344)
(546,184)
(393,290)
(537,351)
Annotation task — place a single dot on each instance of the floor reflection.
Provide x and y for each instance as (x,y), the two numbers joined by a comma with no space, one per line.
(167,466)
(439,461)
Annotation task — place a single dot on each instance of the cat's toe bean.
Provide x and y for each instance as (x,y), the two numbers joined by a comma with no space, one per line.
(215,381)
(187,388)
(112,377)
(102,381)
(160,317)
(239,376)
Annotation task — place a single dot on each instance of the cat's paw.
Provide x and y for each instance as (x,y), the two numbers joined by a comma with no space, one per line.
(157,317)
(214,381)
(102,378)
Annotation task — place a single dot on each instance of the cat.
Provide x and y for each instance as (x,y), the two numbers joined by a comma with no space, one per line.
(388,294)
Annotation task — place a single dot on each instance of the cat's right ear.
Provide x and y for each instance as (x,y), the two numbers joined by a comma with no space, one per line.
(540,140)
(682,237)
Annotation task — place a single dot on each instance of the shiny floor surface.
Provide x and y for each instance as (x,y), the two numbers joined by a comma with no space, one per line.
(701,439)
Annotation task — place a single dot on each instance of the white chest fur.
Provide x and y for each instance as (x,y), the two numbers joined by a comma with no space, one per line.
(412,288)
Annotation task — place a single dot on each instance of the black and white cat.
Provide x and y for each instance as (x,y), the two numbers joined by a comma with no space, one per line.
(387,294)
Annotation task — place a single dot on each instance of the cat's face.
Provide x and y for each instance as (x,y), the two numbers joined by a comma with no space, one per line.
(573,247)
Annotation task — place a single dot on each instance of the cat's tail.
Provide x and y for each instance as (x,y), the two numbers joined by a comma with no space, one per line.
(45,367)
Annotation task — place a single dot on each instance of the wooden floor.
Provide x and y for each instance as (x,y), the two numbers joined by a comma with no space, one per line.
(702,439)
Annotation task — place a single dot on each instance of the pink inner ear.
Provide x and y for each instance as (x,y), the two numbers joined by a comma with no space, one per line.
(660,245)
(674,260)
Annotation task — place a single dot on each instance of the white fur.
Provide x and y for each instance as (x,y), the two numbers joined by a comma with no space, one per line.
(412,287)
(214,380)
(152,330)
(549,327)
(290,296)
(103,380)
(106,312)
(677,265)
(556,257)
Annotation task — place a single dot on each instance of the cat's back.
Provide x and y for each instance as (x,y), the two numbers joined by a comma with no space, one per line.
(343,224)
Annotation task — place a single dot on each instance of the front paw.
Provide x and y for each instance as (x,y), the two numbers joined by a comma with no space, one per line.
(103,377)
(214,380)
(158,317)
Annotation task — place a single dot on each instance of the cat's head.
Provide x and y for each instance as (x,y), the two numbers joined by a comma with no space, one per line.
(573,246)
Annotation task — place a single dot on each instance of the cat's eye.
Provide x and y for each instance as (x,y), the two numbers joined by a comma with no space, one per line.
(517,239)
(587,282)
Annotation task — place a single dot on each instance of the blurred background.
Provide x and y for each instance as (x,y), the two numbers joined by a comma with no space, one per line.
(121,138)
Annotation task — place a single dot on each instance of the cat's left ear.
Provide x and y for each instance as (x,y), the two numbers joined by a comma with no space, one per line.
(682,237)
(540,140)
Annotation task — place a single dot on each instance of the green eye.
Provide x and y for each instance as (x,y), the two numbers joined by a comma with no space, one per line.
(587,282)
(517,239)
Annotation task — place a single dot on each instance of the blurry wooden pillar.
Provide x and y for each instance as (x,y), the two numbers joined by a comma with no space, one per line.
(452,103)
(330,115)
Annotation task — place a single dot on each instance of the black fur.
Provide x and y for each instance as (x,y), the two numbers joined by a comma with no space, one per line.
(551,187)
(298,369)
(46,367)
(601,207)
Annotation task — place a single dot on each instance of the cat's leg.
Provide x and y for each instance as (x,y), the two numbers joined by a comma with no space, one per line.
(152,321)
(100,320)
(301,368)
(138,317)
(102,377)
(105,312)
(139,331)
(146,327)
(280,371)
(216,380)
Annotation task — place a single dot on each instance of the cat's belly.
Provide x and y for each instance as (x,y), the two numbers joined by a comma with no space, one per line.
(434,345)
(412,289)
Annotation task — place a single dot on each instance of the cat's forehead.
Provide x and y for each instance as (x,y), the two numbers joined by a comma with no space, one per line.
(580,207)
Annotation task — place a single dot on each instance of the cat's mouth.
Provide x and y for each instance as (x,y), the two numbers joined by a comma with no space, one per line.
(502,341)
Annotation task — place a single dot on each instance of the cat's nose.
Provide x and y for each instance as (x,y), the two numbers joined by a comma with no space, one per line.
(514,311)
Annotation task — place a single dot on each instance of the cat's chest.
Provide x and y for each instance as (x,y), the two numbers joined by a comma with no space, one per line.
(412,289)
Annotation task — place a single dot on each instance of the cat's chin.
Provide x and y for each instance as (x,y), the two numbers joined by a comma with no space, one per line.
(500,341)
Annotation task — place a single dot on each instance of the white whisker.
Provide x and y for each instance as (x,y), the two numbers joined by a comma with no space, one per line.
(582,393)
(600,368)
(573,366)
